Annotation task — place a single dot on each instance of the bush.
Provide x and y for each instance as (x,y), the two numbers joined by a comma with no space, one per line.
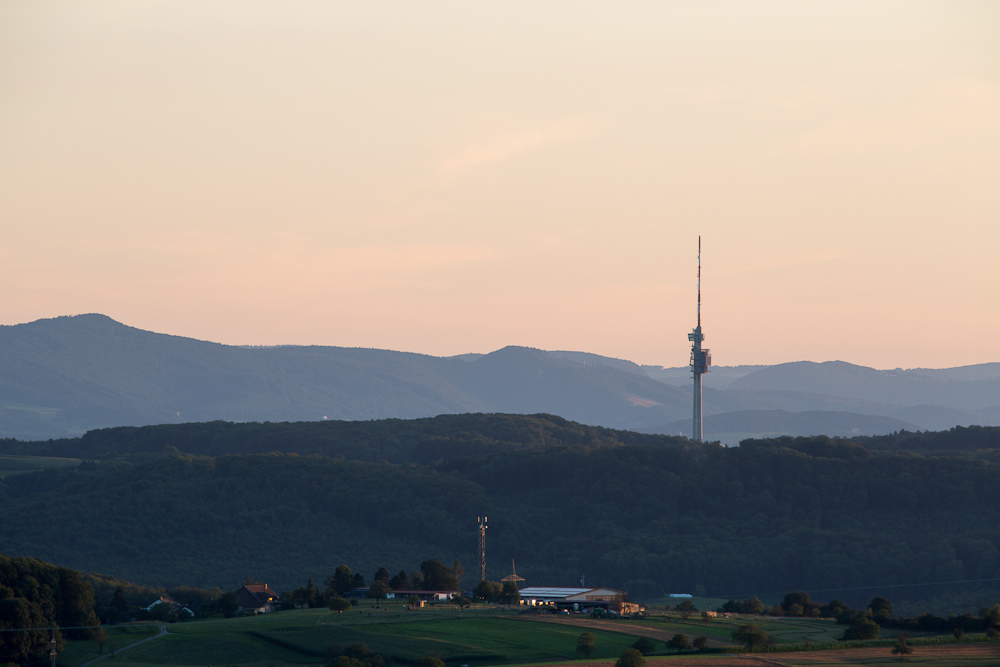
(428,661)
(861,628)
(679,642)
(631,658)
(644,645)
(752,637)
(901,648)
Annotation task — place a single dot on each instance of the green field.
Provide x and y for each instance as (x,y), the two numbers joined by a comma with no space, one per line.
(476,638)
(16,465)
(310,636)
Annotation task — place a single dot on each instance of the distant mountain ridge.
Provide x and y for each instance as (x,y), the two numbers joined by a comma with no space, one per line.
(64,376)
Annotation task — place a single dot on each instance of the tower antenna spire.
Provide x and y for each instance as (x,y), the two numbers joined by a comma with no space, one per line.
(699,281)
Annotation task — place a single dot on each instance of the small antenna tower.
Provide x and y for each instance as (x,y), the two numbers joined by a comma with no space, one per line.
(512,577)
(700,360)
(482,548)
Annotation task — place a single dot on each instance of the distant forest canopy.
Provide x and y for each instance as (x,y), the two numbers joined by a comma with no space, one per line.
(425,440)
(647,514)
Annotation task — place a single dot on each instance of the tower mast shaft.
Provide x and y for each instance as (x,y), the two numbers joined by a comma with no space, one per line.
(700,361)
(482,549)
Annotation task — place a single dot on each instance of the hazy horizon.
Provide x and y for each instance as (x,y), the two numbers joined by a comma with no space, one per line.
(448,178)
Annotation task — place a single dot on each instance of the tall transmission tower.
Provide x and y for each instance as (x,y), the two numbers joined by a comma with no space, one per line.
(482,549)
(700,360)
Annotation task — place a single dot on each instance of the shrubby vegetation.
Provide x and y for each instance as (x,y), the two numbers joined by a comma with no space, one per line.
(34,594)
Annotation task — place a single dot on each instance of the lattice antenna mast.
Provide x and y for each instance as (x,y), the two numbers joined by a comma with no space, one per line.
(512,577)
(482,549)
(700,361)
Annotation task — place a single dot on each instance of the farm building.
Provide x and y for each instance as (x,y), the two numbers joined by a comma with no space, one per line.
(423,595)
(256,599)
(578,598)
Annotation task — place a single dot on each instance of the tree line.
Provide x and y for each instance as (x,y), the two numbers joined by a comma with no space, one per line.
(35,594)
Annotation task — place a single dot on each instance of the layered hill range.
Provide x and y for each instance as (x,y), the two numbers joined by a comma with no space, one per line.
(64,376)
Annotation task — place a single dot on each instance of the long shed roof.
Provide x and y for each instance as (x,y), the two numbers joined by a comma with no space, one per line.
(551,592)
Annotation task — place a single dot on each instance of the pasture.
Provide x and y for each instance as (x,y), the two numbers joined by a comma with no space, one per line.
(481,637)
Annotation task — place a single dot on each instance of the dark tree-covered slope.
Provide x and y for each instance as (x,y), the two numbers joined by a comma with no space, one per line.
(394,440)
(646,513)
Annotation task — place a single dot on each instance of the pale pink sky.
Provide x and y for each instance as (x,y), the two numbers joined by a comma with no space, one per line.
(448,177)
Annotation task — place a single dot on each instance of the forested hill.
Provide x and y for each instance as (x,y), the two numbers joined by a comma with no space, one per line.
(429,440)
(971,441)
(647,514)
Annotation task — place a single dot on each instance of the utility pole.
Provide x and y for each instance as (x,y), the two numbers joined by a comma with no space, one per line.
(52,651)
(482,549)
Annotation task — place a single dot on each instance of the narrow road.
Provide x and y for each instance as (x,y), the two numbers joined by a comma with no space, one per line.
(163,631)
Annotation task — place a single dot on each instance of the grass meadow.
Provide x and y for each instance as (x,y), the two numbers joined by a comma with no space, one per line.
(471,637)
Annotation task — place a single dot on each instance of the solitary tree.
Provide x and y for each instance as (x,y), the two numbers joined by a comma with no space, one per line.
(644,645)
(400,581)
(862,628)
(686,608)
(101,637)
(751,636)
(700,643)
(901,648)
(437,577)
(339,604)
(509,594)
(118,602)
(488,591)
(585,644)
(959,633)
(881,609)
(340,581)
(631,658)
(800,598)
(378,590)
(679,642)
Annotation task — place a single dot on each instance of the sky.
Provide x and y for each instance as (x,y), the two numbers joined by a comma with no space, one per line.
(453,177)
